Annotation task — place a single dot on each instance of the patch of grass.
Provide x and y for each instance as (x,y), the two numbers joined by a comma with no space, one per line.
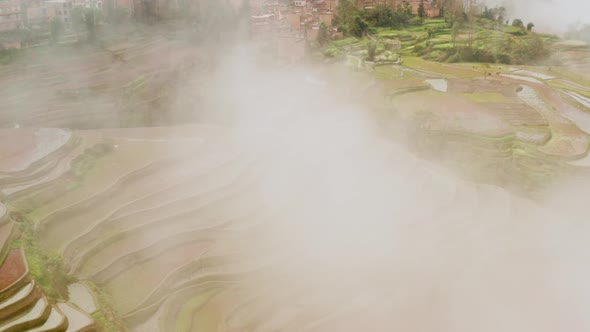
(486,97)
(387,72)
(345,41)
(106,317)
(9,55)
(442,46)
(83,163)
(435,21)
(46,268)
(444,70)
(137,84)
(556,84)
(514,31)
(331,51)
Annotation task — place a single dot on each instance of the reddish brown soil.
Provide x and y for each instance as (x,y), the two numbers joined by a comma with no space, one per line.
(5,231)
(13,269)
(15,143)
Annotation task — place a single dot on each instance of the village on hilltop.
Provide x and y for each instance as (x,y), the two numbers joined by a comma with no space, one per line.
(291,19)
(290,25)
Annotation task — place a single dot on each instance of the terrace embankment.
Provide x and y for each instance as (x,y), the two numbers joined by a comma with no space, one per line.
(509,126)
(24,307)
(32,159)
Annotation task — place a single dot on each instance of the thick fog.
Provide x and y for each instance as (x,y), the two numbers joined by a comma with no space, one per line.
(362,234)
(367,236)
(552,16)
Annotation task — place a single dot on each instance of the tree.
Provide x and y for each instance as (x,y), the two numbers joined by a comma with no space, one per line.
(371,50)
(119,15)
(532,49)
(431,31)
(501,14)
(323,34)
(345,12)
(518,23)
(86,18)
(381,15)
(401,16)
(421,11)
(77,16)
(487,13)
(454,13)
(91,20)
(405,8)
(530,26)
(357,26)
(57,29)
(454,34)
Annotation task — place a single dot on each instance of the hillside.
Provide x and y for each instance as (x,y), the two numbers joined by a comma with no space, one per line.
(156,181)
(432,39)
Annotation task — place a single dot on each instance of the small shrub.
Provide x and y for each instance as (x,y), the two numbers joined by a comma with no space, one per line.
(371,50)
(419,49)
(416,21)
(83,163)
(331,52)
(453,58)
(503,58)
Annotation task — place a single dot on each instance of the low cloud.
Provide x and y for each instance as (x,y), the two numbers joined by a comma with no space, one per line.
(553,16)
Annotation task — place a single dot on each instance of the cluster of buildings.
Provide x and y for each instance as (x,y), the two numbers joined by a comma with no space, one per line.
(298,17)
(289,24)
(431,7)
(19,13)
(305,16)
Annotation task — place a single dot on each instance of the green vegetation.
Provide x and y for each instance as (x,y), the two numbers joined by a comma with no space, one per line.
(82,164)
(557,84)
(440,68)
(530,26)
(350,19)
(323,34)
(137,84)
(371,50)
(46,268)
(57,29)
(518,23)
(486,97)
(385,16)
(86,20)
(457,36)
(105,317)
(8,54)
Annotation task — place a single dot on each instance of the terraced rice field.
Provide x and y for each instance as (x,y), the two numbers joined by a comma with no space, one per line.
(86,87)
(23,307)
(188,245)
(538,114)
(320,221)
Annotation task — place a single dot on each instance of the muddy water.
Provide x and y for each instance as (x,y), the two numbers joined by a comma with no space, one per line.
(580,99)
(579,118)
(438,84)
(522,78)
(47,140)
